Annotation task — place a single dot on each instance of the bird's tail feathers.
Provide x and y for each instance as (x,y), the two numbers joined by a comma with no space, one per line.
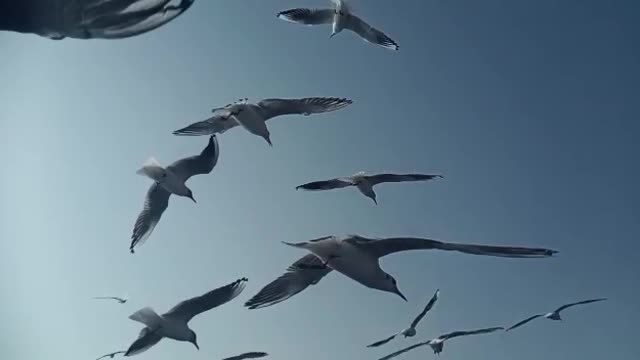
(148,317)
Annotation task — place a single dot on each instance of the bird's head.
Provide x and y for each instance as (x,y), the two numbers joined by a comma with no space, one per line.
(390,285)
(193,338)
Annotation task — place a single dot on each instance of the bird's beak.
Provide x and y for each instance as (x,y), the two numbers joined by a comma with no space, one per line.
(196,345)
(401,295)
(192,199)
(269,141)
(375,201)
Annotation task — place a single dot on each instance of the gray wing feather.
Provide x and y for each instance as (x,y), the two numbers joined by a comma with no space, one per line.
(388,246)
(299,276)
(524,321)
(155,203)
(579,303)
(426,309)
(248,355)
(405,350)
(187,309)
(369,33)
(198,164)
(382,342)
(146,339)
(270,108)
(221,121)
(307,16)
(471,332)
(381,178)
(324,185)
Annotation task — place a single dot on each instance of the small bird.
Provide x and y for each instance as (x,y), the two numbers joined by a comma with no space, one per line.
(358,258)
(111,355)
(340,17)
(88,19)
(437,344)
(253,117)
(249,355)
(555,314)
(174,324)
(167,181)
(118,299)
(411,330)
(364,183)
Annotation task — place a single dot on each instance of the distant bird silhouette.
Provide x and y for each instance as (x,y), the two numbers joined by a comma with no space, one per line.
(167,181)
(555,314)
(340,17)
(118,299)
(174,324)
(88,19)
(411,330)
(111,355)
(364,183)
(437,344)
(249,355)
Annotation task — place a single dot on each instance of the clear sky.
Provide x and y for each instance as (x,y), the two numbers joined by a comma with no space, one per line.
(529,108)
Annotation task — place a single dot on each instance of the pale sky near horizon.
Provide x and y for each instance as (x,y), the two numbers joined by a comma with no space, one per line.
(528,108)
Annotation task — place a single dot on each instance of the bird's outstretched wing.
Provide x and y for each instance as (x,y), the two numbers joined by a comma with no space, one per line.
(155,203)
(198,164)
(270,108)
(579,303)
(469,332)
(426,309)
(369,33)
(382,342)
(305,272)
(524,322)
(248,355)
(221,121)
(146,339)
(382,178)
(187,309)
(324,185)
(307,16)
(111,355)
(402,351)
(383,247)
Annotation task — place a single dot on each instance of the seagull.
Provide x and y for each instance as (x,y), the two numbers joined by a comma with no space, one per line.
(167,181)
(438,343)
(555,314)
(411,331)
(364,183)
(88,19)
(174,324)
(358,257)
(253,117)
(118,299)
(249,355)
(111,355)
(340,17)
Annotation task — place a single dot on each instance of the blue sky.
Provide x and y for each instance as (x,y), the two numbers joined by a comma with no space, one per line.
(528,108)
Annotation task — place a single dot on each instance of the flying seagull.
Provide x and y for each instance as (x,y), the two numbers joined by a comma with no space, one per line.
(118,299)
(174,324)
(411,330)
(249,355)
(555,314)
(340,17)
(110,356)
(437,344)
(88,19)
(253,117)
(358,257)
(364,183)
(167,181)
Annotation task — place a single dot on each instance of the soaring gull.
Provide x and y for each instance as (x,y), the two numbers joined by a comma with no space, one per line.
(111,355)
(364,183)
(253,117)
(167,181)
(248,355)
(88,19)
(437,344)
(358,258)
(118,299)
(411,330)
(340,17)
(174,324)
(555,314)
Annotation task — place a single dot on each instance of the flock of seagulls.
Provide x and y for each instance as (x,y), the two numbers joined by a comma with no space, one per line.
(354,256)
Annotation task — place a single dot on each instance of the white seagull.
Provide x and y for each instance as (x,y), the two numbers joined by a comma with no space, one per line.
(118,299)
(111,355)
(167,181)
(358,258)
(249,355)
(253,117)
(411,330)
(555,314)
(340,17)
(364,183)
(174,324)
(437,344)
